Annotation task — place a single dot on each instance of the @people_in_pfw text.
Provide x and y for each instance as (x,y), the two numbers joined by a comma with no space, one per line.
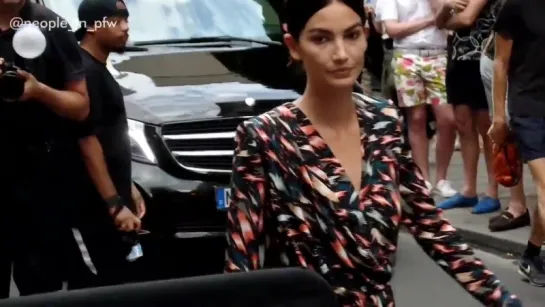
(48,25)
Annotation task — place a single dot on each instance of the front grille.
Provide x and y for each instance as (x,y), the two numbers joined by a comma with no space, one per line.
(208,126)
(204,146)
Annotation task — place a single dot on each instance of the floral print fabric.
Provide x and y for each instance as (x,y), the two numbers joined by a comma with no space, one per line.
(293,205)
(419,79)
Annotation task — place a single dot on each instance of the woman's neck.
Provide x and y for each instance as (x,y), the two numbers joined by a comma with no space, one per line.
(333,108)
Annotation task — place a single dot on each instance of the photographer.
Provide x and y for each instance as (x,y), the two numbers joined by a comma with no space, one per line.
(114,205)
(38,153)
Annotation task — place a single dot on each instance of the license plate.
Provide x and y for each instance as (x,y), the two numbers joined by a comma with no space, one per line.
(223,197)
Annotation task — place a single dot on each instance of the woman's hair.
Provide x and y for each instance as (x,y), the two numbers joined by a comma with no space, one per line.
(297,12)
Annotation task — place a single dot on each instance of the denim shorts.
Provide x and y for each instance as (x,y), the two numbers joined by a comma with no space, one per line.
(530,135)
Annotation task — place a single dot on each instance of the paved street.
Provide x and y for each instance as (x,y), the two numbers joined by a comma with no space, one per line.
(419,282)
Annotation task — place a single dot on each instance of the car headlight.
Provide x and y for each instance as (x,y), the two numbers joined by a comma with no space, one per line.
(140,149)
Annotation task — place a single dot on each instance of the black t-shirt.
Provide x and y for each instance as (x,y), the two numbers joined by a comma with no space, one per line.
(108,122)
(35,134)
(524,23)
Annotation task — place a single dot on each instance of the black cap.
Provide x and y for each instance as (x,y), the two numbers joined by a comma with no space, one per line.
(92,11)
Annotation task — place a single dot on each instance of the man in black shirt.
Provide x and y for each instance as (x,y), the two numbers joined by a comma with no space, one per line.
(37,153)
(105,145)
(519,62)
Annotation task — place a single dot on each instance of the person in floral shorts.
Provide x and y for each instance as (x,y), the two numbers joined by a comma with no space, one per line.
(419,66)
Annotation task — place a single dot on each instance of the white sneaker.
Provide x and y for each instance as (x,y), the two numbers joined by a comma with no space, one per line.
(429,186)
(444,189)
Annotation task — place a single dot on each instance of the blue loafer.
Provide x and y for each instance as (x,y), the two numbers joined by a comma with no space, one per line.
(458,201)
(486,205)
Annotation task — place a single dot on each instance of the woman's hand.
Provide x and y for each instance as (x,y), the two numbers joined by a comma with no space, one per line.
(498,131)
(458,5)
(512,301)
(139,202)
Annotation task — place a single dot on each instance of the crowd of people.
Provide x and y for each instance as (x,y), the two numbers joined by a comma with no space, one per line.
(323,182)
(444,55)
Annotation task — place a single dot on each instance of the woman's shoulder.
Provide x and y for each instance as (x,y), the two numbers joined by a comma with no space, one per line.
(270,122)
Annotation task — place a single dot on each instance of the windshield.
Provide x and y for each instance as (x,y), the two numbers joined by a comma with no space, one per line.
(185,19)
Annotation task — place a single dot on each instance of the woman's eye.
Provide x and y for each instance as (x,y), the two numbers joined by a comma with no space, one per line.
(319,39)
(353,35)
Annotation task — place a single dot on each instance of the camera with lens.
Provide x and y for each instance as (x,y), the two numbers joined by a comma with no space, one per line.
(12,85)
(28,43)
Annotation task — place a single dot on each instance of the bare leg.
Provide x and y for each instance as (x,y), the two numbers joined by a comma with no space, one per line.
(416,120)
(537,167)
(531,266)
(483,122)
(469,142)
(446,136)
(517,204)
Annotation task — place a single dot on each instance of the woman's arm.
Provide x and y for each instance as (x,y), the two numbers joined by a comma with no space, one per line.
(462,19)
(439,239)
(245,224)
(502,55)
(507,26)
(397,30)
(387,13)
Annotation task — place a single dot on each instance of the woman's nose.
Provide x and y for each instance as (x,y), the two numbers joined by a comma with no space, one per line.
(340,51)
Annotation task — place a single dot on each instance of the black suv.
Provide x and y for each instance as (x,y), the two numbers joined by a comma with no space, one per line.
(197,70)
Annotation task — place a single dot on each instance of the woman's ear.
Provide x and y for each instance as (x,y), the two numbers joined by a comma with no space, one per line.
(293,47)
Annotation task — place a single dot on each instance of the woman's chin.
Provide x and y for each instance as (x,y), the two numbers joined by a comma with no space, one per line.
(342,82)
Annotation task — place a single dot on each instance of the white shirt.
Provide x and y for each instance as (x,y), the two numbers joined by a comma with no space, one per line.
(408,10)
(371,3)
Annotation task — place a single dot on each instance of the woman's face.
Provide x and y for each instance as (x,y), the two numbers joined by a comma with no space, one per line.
(331,46)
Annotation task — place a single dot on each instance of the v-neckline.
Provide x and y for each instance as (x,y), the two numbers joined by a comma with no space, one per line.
(339,181)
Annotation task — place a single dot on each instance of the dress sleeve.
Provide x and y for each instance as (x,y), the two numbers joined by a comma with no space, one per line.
(439,239)
(246,214)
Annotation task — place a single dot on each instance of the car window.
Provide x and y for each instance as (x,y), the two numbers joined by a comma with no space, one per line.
(183,19)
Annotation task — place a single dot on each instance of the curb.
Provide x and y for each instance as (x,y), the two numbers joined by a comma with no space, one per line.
(498,245)
(488,242)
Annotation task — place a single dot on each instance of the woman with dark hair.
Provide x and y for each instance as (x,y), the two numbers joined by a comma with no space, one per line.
(324,182)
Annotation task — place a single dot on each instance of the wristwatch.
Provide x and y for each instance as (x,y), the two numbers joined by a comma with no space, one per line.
(116,203)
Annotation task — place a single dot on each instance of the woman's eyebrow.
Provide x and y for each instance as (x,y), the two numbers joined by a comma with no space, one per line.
(354,26)
(326,31)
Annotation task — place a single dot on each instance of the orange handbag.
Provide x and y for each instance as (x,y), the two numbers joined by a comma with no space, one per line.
(507,163)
